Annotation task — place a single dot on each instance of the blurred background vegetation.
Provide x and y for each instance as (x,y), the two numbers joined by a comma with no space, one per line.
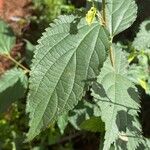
(28,28)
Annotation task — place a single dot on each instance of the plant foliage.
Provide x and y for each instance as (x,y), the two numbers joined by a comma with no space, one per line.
(7,40)
(142,40)
(139,72)
(118,100)
(68,59)
(12,81)
(79,78)
(120,15)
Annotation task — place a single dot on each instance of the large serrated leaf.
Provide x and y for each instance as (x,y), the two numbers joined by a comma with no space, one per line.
(120,15)
(69,53)
(7,38)
(12,87)
(119,103)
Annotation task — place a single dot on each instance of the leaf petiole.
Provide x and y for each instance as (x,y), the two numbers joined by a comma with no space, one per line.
(17,63)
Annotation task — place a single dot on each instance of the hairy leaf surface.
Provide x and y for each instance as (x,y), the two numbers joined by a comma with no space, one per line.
(119,103)
(120,15)
(69,53)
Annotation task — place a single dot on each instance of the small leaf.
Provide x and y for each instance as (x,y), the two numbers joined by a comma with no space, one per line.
(13,84)
(142,40)
(120,15)
(94,124)
(62,122)
(7,38)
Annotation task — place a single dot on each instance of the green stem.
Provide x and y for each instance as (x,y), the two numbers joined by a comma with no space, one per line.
(111,41)
(111,56)
(104,11)
(18,64)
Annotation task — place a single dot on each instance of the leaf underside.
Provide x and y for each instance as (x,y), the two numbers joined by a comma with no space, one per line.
(119,103)
(69,53)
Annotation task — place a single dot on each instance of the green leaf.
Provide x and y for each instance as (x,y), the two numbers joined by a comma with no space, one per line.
(142,40)
(83,111)
(69,53)
(119,103)
(140,75)
(94,124)
(62,122)
(138,72)
(12,87)
(120,14)
(7,38)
